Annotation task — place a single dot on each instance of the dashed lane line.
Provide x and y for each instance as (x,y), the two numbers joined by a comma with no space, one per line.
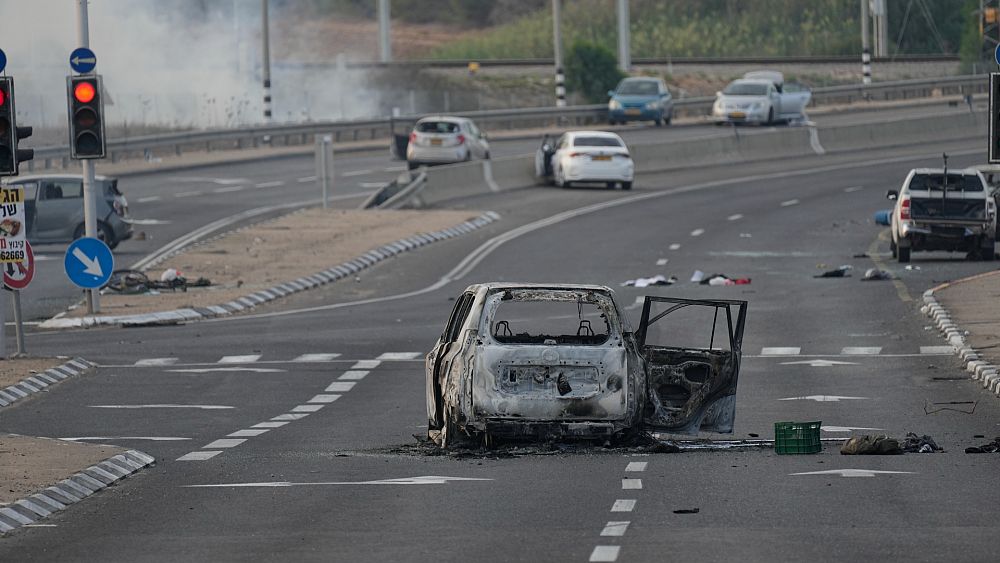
(324,398)
(148,199)
(861,350)
(789,203)
(248,432)
(224,443)
(615,528)
(353,173)
(631,484)
(636,466)
(148,362)
(623,505)
(340,386)
(307,408)
(245,359)
(306,179)
(316,357)
(274,184)
(187,194)
(199,456)
(400,356)
(675,246)
(163,406)
(936,350)
(605,553)
(366,364)
(697,232)
(354,374)
(228,189)
(780,351)
(275,424)
(734,217)
(852,189)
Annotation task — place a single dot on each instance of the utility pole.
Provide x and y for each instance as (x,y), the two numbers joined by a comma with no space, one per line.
(624,37)
(557,55)
(880,17)
(384,39)
(89,199)
(866,53)
(266,55)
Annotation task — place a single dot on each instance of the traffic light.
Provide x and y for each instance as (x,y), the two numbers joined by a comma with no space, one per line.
(86,117)
(8,140)
(994,135)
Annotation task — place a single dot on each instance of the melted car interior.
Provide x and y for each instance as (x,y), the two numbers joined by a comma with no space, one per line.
(555,320)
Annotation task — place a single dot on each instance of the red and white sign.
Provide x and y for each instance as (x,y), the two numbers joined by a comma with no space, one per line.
(17,275)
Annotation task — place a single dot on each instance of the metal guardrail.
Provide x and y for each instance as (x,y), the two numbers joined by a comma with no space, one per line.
(372,129)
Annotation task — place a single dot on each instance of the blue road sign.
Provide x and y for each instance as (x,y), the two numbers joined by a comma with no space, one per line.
(82,60)
(3,60)
(996,54)
(89,263)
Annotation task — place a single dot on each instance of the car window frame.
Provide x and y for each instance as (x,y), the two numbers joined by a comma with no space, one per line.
(459,315)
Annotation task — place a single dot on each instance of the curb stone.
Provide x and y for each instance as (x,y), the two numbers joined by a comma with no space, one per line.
(283,289)
(78,486)
(40,381)
(980,370)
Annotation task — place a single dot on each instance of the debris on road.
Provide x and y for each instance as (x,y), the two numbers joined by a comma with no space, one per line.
(658,279)
(861,255)
(134,282)
(914,444)
(933,408)
(688,511)
(841,272)
(874,274)
(871,444)
(722,279)
(990,448)
(912,267)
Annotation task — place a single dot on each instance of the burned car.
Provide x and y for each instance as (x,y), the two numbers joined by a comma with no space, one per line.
(556,361)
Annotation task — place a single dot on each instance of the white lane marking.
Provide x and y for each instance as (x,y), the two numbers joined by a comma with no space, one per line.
(40,526)
(366,364)
(615,528)
(340,386)
(248,433)
(662,262)
(824,398)
(245,359)
(396,356)
(880,357)
(605,553)
(780,351)
(697,232)
(855,472)
(316,357)
(269,425)
(394,169)
(291,416)
(631,483)
(937,349)
(307,408)
(145,222)
(636,466)
(734,217)
(150,438)
(148,199)
(675,246)
(209,370)
(187,194)
(225,443)
(156,362)
(861,350)
(199,456)
(354,374)
(274,184)
(423,480)
(845,428)
(163,406)
(306,179)
(853,189)
(353,173)
(623,505)
(324,398)
(369,185)
(819,363)
(228,189)
(638,303)
(790,203)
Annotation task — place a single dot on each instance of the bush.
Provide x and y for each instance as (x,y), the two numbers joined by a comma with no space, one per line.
(591,70)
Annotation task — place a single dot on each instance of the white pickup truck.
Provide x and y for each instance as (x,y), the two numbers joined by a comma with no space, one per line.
(761,97)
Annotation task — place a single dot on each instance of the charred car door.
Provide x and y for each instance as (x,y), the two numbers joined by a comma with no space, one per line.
(439,360)
(692,350)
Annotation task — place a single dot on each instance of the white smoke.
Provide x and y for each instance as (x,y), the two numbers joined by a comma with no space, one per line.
(170,64)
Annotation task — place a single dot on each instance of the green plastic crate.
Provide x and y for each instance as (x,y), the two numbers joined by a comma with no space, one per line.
(797,437)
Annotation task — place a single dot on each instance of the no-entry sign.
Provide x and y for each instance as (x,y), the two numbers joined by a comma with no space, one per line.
(17,275)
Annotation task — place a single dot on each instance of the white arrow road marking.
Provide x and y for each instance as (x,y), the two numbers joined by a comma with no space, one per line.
(207,370)
(844,428)
(151,438)
(822,398)
(780,351)
(423,480)
(819,363)
(855,472)
(164,406)
(93,265)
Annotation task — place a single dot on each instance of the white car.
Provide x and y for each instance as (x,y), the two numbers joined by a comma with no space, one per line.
(585,156)
(445,140)
(760,97)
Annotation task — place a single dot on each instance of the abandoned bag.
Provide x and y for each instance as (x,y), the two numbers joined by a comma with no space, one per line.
(871,444)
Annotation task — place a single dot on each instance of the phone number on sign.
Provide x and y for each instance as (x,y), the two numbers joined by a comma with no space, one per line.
(12,256)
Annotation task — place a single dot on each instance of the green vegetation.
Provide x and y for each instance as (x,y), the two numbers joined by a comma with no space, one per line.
(591,70)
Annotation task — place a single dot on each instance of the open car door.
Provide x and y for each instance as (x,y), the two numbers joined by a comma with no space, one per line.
(543,159)
(692,349)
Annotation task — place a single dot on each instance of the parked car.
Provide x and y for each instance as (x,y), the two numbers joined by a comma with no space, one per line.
(760,97)
(991,173)
(585,156)
(640,99)
(521,360)
(940,209)
(444,140)
(53,207)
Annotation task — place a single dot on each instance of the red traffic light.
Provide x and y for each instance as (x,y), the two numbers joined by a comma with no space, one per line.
(3,97)
(84,92)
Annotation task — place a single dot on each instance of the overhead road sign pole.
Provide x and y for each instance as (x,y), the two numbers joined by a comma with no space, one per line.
(994,126)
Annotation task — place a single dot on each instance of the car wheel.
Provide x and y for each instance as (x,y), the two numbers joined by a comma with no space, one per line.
(892,247)
(658,122)
(669,119)
(104,233)
(611,185)
(986,252)
(487,155)
(411,165)
(904,254)
(626,185)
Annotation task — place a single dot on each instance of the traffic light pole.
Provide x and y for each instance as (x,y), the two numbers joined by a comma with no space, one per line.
(89,201)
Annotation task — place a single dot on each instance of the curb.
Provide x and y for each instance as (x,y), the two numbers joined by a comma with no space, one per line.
(36,383)
(304,283)
(986,373)
(72,490)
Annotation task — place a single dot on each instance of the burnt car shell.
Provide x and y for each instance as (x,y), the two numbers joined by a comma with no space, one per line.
(492,376)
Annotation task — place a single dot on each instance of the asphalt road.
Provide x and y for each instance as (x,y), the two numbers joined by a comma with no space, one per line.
(340,484)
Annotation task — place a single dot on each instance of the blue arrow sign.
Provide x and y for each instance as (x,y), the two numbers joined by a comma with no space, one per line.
(88,263)
(82,60)
(3,60)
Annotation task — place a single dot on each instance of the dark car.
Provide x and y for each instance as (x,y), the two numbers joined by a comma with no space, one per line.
(53,207)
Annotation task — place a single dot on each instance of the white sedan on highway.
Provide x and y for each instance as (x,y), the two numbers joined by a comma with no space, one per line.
(585,157)
(445,140)
(760,97)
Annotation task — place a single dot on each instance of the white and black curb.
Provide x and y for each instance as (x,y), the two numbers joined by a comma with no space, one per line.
(330,275)
(986,373)
(72,490)
(38,382)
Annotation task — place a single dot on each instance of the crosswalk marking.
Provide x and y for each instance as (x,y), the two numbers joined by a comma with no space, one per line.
(631,483)
(615,528)
(199,456)
(316,357)
(307,408)
(324,398)
(269,425)
(623,505)
(225,443)
(246,359)
(861,350)
(156,362)
(390,356)
(248,433)
(340,386)
(605,553)
(780,351)
(636,466)
(366,364)
(936,349)
(355,374)
(291,416)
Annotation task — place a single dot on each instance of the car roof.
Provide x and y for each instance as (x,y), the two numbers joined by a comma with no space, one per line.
(34,177)
(752,81)
(641,79)
(526,285)
(442,118)
(768,75)
(969,171)
(987,167)
(594,134)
